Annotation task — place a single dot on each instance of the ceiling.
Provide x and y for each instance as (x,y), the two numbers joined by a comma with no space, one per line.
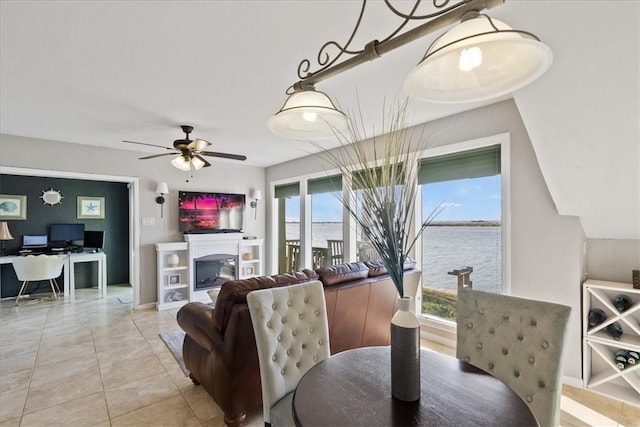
(100,72)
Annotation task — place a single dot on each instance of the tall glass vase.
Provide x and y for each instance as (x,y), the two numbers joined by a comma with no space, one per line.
(405,352)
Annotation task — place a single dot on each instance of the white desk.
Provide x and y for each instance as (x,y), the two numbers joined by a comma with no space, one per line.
(74,258)
(69,271)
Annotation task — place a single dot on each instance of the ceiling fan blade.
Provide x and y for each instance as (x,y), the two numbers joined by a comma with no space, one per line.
(153,156)
(206,163)
(150,145)
(223,155)
(198,144)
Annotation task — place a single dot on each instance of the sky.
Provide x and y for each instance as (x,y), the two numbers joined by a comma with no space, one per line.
(476,199)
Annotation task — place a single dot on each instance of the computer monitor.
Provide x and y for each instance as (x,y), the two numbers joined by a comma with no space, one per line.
(65,233)
(93,239)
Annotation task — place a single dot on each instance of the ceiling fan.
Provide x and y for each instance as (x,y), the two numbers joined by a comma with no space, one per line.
(189,151)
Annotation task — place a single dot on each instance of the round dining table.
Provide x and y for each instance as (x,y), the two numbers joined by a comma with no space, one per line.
(353,388)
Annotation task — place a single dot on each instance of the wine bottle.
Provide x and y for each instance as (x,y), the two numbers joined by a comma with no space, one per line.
(633,357)
(622,302)
(615,330)
(621,359)
(596,316)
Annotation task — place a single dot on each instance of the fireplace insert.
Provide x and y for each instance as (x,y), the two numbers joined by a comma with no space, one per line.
(211,271)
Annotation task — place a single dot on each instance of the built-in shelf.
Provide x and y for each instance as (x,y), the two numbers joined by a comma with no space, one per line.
(600,372)
(175,279)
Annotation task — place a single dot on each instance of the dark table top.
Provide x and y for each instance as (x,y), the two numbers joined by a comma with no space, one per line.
(354,388)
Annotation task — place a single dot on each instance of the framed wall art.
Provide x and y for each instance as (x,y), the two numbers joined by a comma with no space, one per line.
(13,206)
(90,207)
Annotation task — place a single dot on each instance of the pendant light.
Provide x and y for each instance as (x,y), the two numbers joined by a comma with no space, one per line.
(479,59)
(308,114)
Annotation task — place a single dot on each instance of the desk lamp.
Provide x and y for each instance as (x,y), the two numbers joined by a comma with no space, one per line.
(5,234)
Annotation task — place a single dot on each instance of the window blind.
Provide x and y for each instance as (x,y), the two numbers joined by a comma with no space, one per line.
(329,184)
(468,164)
(287,190)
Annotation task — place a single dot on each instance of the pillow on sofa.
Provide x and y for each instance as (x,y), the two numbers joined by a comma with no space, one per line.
(342,273)
(376,268)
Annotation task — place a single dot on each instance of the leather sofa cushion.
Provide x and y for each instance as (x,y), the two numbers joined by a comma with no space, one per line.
(235,292)
(377,268)
(342,273)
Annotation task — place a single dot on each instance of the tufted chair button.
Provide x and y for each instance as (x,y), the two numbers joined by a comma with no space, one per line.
(273,306)
(317,312)
(529,399)
(300,316)
(505,316)
(282,371)
(520,337)
(279,337)
(306,300)
(304,346)
(297,364)
(481,310)
(545,344)
(284,320)
(492,331)
(491,366)
(541,384)
(274,358)
(479,346)
(294,332)
(269,324)
(534,322)
(288,352)
(311,329)
(320,342)
(516,374)
(315,358)
(532,360)
(469,325)
(467,359)
(289,303)
(505,351)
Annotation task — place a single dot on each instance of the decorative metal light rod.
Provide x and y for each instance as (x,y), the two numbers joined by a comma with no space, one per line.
(444,17)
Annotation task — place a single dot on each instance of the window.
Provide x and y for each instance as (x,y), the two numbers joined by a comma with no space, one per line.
(326,221)
(468,232)
(288,199)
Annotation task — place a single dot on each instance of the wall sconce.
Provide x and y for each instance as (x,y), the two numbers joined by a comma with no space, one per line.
(256,195)
(5,234)
(162,188)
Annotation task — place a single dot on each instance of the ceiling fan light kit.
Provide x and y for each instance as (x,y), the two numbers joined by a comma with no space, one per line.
(190,152)
(478,59)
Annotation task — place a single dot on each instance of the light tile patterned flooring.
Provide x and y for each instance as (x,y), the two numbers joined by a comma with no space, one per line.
(97,362)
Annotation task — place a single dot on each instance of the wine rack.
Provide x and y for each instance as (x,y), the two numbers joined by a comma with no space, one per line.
(600,372)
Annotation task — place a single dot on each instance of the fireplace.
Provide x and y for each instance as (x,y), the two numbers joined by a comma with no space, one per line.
(211,271)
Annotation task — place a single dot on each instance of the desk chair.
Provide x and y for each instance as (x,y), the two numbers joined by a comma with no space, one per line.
(520,341)
(36,268)
(292,335)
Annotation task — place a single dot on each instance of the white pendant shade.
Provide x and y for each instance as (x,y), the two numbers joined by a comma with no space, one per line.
(467,65)
(308,115)
(181,163)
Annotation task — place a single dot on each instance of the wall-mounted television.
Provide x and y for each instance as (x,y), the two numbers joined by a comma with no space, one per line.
(201,212)
(66,233)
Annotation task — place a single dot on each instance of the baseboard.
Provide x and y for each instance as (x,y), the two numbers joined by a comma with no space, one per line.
(144,306)
(573,382)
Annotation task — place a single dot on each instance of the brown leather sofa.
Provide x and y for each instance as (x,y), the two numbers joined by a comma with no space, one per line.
(220,350)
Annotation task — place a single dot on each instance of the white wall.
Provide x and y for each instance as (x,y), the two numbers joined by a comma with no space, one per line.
(223,176)
(612,259)
(546,248)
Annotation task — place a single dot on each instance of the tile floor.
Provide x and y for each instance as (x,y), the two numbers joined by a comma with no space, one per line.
(97,362)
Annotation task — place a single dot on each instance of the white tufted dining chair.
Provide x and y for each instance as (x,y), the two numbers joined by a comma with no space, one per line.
(32,268)
(292,335)
(518,340)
